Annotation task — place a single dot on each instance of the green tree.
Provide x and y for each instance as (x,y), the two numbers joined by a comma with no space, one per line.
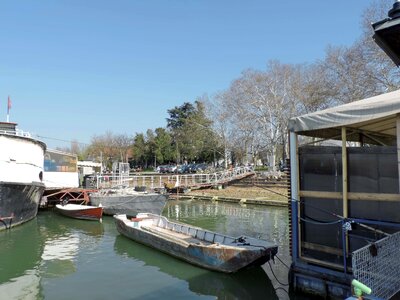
(139,148)
(192,132)
(163,147)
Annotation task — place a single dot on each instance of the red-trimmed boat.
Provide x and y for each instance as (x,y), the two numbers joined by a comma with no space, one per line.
(78,211)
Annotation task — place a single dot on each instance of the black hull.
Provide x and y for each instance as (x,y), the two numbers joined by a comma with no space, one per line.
(19,202)
(130,205)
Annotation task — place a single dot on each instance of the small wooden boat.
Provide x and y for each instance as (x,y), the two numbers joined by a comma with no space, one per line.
(78,211)
(195,245)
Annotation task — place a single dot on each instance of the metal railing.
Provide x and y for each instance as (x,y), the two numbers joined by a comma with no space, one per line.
(176,180)
(17,132)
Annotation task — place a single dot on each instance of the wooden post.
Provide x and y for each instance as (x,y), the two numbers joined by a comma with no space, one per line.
(344,173)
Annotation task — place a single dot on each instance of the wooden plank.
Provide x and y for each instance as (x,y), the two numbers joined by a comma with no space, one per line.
(374,197)
(352,196)
(325,264)
(322,248)
(322,195)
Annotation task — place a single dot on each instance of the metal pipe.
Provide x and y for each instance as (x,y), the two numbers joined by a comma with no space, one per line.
(344,247)
(294,171)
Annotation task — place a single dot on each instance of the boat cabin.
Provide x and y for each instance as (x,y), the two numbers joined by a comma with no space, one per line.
(345,202)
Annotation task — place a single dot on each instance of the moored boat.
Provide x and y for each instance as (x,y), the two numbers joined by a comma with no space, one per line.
(21,175)
(78,211)
(128,201)
(204,248)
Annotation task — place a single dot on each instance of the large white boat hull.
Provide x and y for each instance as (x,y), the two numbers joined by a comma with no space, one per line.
(21,175)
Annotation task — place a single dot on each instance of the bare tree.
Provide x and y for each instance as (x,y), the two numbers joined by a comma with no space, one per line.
(258,106)
(123,143)
(110,147)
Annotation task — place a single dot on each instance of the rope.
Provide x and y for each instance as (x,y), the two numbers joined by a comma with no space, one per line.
(321,223)
(284,284)
(328,212)
(281,288)
(282,262)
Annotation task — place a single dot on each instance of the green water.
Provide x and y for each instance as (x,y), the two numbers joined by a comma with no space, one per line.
(54,257)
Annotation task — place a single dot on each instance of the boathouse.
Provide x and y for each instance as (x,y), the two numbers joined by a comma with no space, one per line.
(345,202)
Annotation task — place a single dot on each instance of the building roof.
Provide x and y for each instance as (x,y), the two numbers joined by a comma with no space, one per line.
(374,118)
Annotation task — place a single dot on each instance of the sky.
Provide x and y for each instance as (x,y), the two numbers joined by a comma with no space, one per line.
(78,69)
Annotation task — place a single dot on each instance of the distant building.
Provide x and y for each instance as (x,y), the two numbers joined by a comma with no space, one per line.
(89,167)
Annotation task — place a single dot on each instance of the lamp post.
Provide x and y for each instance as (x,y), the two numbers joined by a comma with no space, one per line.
(387,33)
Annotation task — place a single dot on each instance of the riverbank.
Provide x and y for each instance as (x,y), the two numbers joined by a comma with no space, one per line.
(249,195)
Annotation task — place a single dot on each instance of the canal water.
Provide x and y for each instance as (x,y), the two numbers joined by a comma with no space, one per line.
(54,257)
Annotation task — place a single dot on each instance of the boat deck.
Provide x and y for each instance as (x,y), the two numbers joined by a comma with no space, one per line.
(176,235)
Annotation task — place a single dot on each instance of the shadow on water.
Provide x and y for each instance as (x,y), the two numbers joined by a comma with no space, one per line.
(252,283)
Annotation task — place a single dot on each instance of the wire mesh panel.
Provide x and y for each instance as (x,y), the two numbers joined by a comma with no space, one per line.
(378,266)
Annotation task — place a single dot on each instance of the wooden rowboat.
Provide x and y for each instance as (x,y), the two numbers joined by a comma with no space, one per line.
(77,211)
(195,245)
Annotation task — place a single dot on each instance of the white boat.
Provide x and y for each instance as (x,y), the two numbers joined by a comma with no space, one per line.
(83,212)
(21,175)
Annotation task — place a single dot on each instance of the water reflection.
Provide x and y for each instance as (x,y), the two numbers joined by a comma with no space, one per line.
(19,258)
(59,254)
(232,219)
(45,247)
(54,257)
(252,283)
(63,239)
(269,223)
(26,286)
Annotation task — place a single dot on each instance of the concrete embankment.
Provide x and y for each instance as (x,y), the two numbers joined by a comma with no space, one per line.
(280,203)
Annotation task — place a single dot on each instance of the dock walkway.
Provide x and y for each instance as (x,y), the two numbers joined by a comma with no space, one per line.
(181,181)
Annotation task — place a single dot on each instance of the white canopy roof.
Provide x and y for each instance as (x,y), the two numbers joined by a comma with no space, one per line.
(374,118)
(86,163)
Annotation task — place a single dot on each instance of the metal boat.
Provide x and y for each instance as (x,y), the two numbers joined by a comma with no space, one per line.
(21,175)
(128,201)
(204,248)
